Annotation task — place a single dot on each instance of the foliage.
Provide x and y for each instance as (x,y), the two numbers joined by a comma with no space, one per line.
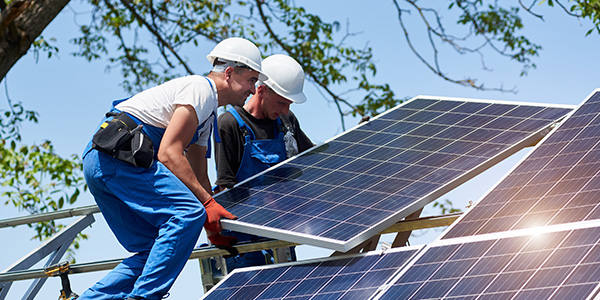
(588,9)
(499,24)
(446,207)
(275,26)
(34,178)
(333,57)
(12,118)
(342,71)
(42,45)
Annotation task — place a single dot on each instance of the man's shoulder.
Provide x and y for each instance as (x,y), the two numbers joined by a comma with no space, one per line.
(189,80)
(227,119)
(289,118)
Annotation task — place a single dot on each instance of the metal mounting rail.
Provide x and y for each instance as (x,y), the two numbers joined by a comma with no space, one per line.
(211,251)
(423,223)
(203,252)
(59,214)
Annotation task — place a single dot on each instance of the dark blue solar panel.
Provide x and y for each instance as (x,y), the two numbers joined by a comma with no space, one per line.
(557,183)
(356,277)
(399,157)
(561,265)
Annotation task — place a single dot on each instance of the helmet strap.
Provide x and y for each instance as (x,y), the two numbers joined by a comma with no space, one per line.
(222,64)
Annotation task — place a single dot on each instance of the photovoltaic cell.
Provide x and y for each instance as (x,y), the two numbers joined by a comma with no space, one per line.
(350,277)
(559,265)
(341,193)
(558,182)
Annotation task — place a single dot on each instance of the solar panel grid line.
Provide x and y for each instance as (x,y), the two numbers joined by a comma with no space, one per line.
(552,184)
(355,276)
(523,264)
(354,165)
(309,150)
(425,252)
(417,143)
(389,111)
(545,261)
(424,200)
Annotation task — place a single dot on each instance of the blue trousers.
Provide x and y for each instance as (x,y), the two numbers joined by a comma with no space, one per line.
(153,214)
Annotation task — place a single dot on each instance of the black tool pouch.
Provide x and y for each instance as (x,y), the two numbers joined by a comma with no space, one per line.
(121,138)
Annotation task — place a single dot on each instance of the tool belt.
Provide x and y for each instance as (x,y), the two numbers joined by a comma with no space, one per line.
(121,138)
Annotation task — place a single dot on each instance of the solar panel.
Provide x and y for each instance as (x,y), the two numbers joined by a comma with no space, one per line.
(557,264)
(349,277)
(556,183)
(343,192)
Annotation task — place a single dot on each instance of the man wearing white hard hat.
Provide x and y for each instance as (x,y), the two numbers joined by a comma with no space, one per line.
(261,134)
(146,168)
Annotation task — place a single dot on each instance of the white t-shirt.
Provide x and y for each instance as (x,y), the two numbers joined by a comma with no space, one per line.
(155,106)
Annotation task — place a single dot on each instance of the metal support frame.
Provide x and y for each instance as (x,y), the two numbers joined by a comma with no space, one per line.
(49,216)
(401,239)
(56,247)
(281,253)
(368,245)
(19,271)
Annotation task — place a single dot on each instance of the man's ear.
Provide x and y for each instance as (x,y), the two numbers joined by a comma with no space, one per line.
(228,72)
(261,89)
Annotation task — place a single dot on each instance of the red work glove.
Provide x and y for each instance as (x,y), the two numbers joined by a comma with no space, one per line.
(214,213)
(224,242)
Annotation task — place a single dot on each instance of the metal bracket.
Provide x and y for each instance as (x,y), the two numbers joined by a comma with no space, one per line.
(56,247)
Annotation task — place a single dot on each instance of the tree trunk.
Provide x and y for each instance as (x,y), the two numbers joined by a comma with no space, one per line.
(21,23)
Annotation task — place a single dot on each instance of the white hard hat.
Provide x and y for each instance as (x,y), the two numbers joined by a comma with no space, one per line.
(238,50)
(286,77)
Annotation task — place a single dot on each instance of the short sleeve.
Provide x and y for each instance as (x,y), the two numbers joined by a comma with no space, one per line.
(198,92)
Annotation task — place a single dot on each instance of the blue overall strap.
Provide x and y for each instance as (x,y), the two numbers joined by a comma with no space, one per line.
(216,131)
(250,134)
(215,126)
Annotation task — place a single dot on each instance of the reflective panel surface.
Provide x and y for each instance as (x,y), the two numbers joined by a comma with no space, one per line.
(557,183)
(355,277)
(341,193)
(561,265)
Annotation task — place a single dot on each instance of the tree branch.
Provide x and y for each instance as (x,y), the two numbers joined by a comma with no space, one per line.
(27,19)
(528,9)
(8,16)
(311,75)
(469,82)
(157,35)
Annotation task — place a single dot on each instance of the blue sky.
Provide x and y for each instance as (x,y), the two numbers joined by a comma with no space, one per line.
(71,95)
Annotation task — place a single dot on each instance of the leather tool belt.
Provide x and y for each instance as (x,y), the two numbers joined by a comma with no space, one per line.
(121,138)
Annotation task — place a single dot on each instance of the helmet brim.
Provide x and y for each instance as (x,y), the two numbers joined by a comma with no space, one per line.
(296,98)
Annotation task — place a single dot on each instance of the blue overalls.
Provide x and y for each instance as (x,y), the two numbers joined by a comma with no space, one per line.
(151,212)
(258,156)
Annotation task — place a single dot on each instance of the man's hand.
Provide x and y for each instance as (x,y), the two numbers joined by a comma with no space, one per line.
(214,213)
(224,242)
